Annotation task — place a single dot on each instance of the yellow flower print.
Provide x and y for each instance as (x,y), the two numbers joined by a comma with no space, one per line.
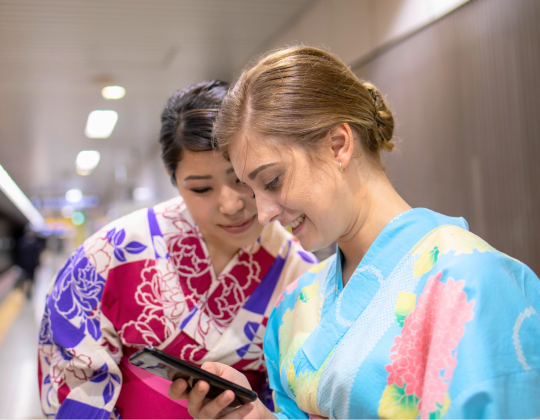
(405,304)
(305,387)
(319,267)
(442,240)
(397,404)
(291,376)
(299,322)
(441,409)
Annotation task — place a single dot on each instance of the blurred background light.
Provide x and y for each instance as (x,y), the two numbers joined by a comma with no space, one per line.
(87,160)
(77,218)
(100,124)
(83,172)
(120,174)
(21,201)
(113,92)
(142,194)
(67,211)
(74,195)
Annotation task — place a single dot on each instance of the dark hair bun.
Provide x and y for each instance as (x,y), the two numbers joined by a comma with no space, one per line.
(187,121)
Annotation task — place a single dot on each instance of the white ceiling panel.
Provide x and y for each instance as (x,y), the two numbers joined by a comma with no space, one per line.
(56,55)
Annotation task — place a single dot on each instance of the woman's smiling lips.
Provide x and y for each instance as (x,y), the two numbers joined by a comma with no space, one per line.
(240,226)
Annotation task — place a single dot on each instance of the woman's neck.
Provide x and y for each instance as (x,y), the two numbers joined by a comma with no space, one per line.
(220,254)
(376,204)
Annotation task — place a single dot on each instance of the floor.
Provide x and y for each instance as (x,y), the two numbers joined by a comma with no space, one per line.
(19,326)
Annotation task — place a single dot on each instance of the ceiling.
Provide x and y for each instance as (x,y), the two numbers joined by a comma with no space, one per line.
(56,55)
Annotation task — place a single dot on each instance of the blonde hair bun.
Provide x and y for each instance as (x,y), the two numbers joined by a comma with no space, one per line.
(297,95)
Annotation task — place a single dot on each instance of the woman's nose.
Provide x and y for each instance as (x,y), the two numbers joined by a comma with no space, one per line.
(230,201)
(267,210)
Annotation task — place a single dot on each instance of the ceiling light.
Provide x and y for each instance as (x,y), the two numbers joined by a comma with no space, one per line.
(74,196)
(113,92)
(17,197)
(100,124)
(83,172)
(87,160)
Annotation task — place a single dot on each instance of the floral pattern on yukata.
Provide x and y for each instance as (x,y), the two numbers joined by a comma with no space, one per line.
(425,349)
(411,333)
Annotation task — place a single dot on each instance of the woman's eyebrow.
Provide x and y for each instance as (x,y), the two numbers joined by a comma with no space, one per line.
(254,173)
(229,171)
(198,177)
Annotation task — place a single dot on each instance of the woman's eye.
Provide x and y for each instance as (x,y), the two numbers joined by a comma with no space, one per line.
(200,190)
(273,184)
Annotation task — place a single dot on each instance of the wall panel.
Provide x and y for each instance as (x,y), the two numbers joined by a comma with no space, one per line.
(465,92)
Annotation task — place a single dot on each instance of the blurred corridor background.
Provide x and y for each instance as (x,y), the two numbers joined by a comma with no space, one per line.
(460,76)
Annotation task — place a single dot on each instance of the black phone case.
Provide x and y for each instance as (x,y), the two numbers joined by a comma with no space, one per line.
(186,370)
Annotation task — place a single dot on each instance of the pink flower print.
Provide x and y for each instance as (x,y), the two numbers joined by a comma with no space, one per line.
(280,299)
(288,290)
(291,286)
(423,359)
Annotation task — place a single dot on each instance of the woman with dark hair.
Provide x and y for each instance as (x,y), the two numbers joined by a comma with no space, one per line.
(195,276)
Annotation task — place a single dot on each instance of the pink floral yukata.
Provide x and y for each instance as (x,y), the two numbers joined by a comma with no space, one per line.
(147,279)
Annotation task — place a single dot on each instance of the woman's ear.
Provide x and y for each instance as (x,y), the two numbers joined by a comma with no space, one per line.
(342,143)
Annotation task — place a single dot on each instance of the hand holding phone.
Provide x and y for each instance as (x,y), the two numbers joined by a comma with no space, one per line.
(171,368)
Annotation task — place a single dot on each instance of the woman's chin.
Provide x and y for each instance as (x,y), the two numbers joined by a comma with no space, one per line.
(247,238)
(314,244)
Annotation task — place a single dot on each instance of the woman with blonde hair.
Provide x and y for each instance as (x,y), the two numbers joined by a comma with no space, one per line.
(414,316)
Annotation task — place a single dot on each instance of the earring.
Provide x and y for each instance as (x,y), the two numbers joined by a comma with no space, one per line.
(341,167)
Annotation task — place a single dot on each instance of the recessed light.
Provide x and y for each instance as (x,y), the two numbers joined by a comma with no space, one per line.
(87,160)
(74,196)
(83,172)
(100,124)
(113,92)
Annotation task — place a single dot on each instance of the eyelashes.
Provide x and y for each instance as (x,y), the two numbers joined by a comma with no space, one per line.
(201,190)
(272,185)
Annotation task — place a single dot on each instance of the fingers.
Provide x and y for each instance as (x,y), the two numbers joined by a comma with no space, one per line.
(240,412)
(177,390)
(200,408)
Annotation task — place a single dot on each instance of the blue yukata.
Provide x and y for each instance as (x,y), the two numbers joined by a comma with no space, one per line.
(434,323)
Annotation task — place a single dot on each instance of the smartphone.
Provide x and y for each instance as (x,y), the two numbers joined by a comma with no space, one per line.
(171,368)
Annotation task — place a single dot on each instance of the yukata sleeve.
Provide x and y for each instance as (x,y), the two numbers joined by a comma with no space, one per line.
(79,350)
(511,388)
(286,407)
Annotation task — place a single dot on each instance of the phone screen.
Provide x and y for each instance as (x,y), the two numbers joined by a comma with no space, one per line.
(150,363)
(171,368)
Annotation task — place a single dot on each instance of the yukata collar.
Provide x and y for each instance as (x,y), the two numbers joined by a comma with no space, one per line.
(396,239)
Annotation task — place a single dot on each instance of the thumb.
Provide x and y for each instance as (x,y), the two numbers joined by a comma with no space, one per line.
(213,367)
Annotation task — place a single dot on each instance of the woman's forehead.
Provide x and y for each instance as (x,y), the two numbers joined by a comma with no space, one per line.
(248,152)
(208,161)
